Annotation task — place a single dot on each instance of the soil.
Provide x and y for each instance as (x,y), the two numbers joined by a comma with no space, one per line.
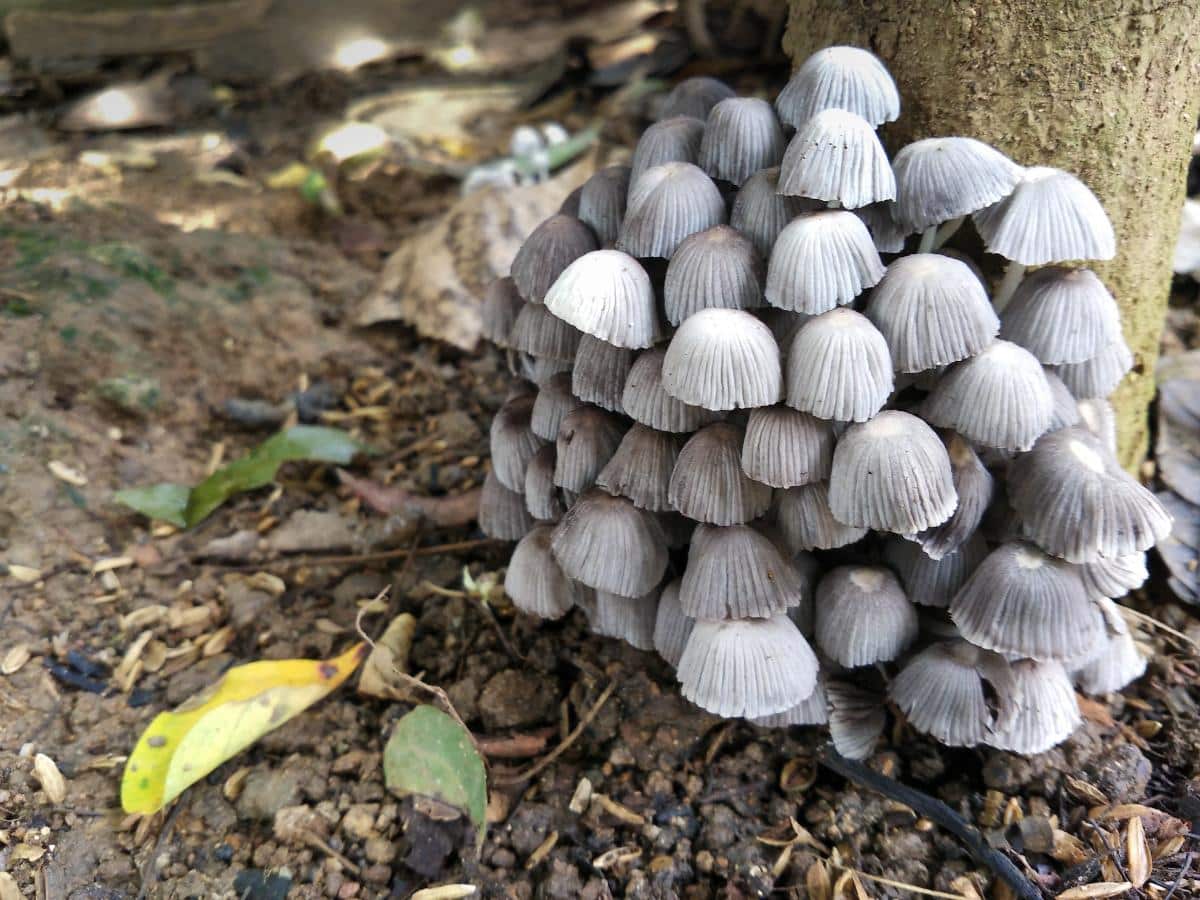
(137,304)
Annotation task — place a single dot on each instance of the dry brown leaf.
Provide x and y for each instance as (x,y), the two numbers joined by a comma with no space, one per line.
(1137,853)
(1085,791)
(389,656)
(1097,891)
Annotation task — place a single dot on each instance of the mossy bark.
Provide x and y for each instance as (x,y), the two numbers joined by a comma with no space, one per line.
(1108,89)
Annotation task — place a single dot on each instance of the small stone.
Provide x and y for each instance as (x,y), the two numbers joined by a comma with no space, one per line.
(563,882)
(457,429)
(1121,773)
(310,529)
(1037,834)
(348,890)
(379,850)
(293,824)
(358,823)
(266,792)
(515,697)
(377,874)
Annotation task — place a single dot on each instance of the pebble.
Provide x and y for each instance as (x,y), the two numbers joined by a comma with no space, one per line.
(358,823)
(379,850)
(1122,773)
(514,698)
(266,792)
(310,529)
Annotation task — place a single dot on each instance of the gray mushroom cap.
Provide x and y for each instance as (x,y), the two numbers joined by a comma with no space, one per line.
(541,334)
(839,367)
(502,513)
(641,467)
(553,402)
(944,178)
(599,373)
(1062,315)
(708,483)
(666,204)
(695,97)
(1099,376)
(736,572)
(973,484)
(670,140)
(934,582)
(836,156)
(542,498)
(513,442)
(1098,416)
(784,447)
(888,234)
(822,260)
(534,581)
(587,440)
(537,369)
(741,136)
(717,268)
(609,544)
(857,718)
(1117,665)
(1115,577)
(671,626)
(723,359)
(760,212)
(863,616)
(607,294)
(501,305)
(847,78)
(602,202)
(806,523)
(647,402)
(1065,411)
(549,249)
(629,619)
(1047,711)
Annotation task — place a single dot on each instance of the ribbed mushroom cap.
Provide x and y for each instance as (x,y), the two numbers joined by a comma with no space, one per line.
(608,295)
(1062,315)
(932,311)
(1119,664)
(540,333)
(863,616)
(1065,412)
(666,204)
(1076,501)
(838,367)
(840,78)
(708,483)
(973,484)
(534,582)
(857,718)
(944,178)
(1020,601)
(888,234)
(891,473)
(641,468)
(671,627)
(737,573)
(694,97)
(647,402)
(501,305)
(553,402)
(741,136)
(836,155)
(502,513)
(822,260)
(1051,216)
(609,544)
(542,498)
(934,582)
(805,522)
(812,710)
(1047,711)
(941,692)
(998,398)
(602,202)
(587,440)
(538,369)
(747,667)
(570,204)
(760,212)
(629,619)
(717,268)
(1098,416)
(670,140)
(513,442)
(1100,375)
(784,447)
(1115,577)
(723,359)
(599,373)
(549,249)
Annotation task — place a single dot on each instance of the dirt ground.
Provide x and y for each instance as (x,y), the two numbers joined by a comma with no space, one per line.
(136,301)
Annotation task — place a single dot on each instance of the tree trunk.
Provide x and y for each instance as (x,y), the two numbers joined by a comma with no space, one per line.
(1107,89)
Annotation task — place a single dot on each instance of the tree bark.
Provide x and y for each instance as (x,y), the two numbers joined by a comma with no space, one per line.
(1107,89)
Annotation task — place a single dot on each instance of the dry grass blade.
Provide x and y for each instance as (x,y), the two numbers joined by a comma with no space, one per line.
(1151,622)
(1137,852)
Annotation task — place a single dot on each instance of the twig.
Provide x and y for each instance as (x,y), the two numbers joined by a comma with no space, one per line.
(1109,849)
(1187,864)
(938,812)
(356,558)
(558,751)
(1152,622)
(150,875)
(928,892)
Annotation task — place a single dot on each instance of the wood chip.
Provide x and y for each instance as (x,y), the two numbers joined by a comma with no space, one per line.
(232,788)
(24,574)
(1085,791)
(110,563)
(1096,891)
(14,659)
(66,474)
(217,642)
(582,798)
(445,892)
(130,667)
(617,811)
(268,583)
(144,617)
(1137,853)
(542,850)
(1069,849)
(616,856)
(50,778)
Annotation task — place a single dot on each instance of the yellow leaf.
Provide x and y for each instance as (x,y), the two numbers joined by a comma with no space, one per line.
(181,747)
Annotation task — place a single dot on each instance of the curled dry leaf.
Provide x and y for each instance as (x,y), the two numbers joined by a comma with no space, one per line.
(1097,891)
(1137,853)
(816,879)
(50,778)
(388,660)
(14,659)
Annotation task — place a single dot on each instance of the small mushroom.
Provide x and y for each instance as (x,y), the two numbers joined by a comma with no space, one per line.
(641,467)
(630,619)
(784,447)
(541,334)
(735,572)
(695,97)
(608,295)
(863,616)
(1062,315)
(1117,576)
(1118,664)
(806,523)
(839,367)
(812,710)
(723,359)
(671,626)
(717,268)
(587,440)
(502,513)
(666,204)
(542,497)
(857,718)
(1098,416)
(836,156)
(820,261)
(741,136)
(888,234)
(549,249)
(1047,711)
(598,375)
(708,484)
(1065,411)
(554,401)
(847,78)
(513,442)
(934,582)
(602,202)
(670,140)
(609,544)
(647,402)
(501,305)
(534,581)
(760,212)
(973,484)
(1100,375)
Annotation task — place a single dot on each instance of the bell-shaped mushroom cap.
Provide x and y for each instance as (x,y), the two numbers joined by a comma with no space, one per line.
(1047,711)
(1115,577)
(501,305)
(932,311)
(891,473)
(1119,664)
(1098,416)
(973,484)
(587,440)
(822,260)
(785,447)
(1062,315)
(502,513)
(1051,216)
(542,498)
(570,205)
(998,398)
(941,692)
(599,373)
(812,710)
(805,522)
(540,333)
(934,582)
(1100,375)
(629,619)
(549,249)
(863,616)
(708,483)
(747,667)
(534,582)
(671,627)
(694,97)
(513,442)
(608,295)
(857,718)
(1065,412)
(944,178)
(840,78)
(553,402)
(666,204)
(839,368)
(888,234)
(737,573)
(717,268)
(646,401)
(539,369)
(641,468)
(722,359)
(741,136)
(609,544)
(760,212)
(1076,501)
(836,155)
(1020,601)
(670,140)
(602,202)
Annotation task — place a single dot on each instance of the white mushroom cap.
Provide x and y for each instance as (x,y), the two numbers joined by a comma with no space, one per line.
(973,484)
(813,710)
(863,616)
(1097,415)
(647,402)
(669,140)
(1117,665)
(1062,315)
(549,249)
(735,572)
(838,367)
(641,467)
(760,212)
(741,136)
(857,718)
(841,78)
(822,260)
(784,447)
(540,333)
(708,483)
(553,402)
(723,359)
(934,582)
(502,513)
(607,294)
(1066,408)
(542,498)
(836,155)
(944,178)
(888,234)
(671,627)
(1047,711)
(805,522)
(694,97)
(598,375)
(587,440)
(629,619)
(1100,375)
(714,268)
(501,305)
(534,582)
(666,204)
(609,544)
(1115,577)
(513,442)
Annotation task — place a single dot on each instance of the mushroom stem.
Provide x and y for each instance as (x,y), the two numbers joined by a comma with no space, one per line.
(1013,275)
(834,204)
(928,239)
(946,230)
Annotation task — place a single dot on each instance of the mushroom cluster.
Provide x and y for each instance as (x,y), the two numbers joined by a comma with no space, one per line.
(816,472)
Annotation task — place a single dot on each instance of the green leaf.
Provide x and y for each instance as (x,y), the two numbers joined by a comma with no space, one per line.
(165,502)
(431,754)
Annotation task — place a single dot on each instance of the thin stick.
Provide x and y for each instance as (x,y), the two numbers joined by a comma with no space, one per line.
(355,558)
(1187,864)
(928,892)
(561,748)
(1152,622)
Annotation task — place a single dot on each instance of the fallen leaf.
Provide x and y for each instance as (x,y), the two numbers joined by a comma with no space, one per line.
(183,746)
(442,512)
(1096,891)
(387,657)
(164,502)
